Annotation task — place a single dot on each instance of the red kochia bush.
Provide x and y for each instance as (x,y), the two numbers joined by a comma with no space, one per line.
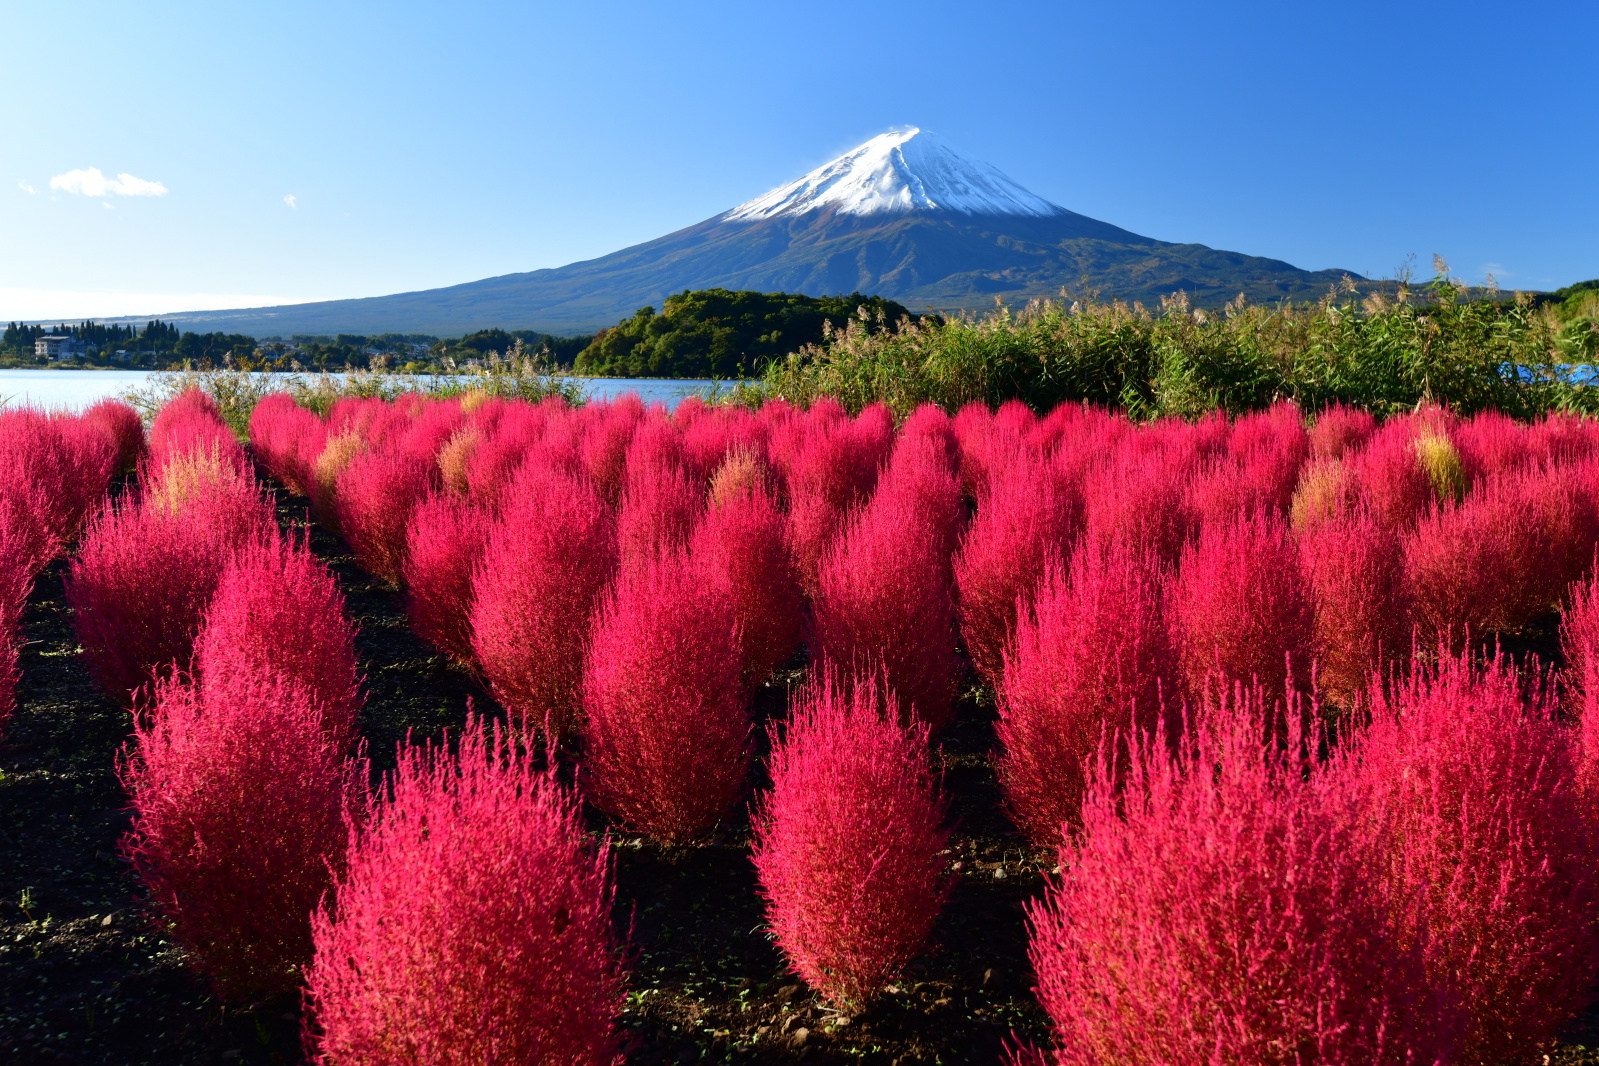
(1214,910)
(57,467)
(886,604)
(1473,824)
(1497,559)
(20,559)
(849,841)
(740,543)
(287,439)
(1579,681)
(1026,522)
(444,543)
(123,427)
(1088,661)
(660,506)
(1339,429)
(1137,496)
(1242,608)
(474,925)
(1391,476)
(144,577)
(278,608)
(191,424)
(373,502)
(604,449)
(1356,569)
(667,731)
(543,568)
(240,799)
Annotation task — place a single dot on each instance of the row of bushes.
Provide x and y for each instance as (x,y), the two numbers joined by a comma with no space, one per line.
(58,467)
(1383,352)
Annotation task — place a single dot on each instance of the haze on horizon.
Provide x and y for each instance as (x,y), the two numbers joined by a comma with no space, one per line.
(184,156)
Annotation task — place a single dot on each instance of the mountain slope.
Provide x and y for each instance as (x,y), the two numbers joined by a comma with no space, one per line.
(904,216)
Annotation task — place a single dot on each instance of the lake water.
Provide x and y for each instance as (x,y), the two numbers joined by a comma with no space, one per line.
(77,389)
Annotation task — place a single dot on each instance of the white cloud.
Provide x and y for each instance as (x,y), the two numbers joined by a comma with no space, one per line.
(291,201)
(91,182)
(25,187)
(36,304)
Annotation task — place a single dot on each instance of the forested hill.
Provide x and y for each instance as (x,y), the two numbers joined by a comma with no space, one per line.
(717,333)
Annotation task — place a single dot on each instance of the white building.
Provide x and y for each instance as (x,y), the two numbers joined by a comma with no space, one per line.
(51,346)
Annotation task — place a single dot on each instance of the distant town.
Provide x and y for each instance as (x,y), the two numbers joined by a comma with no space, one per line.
(159,345)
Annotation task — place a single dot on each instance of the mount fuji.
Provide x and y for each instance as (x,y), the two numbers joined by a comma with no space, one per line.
(905,215)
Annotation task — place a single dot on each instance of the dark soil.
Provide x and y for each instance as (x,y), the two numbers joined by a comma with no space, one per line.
(86,977)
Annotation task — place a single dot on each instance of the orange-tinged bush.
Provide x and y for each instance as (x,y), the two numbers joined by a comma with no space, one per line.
(339,449)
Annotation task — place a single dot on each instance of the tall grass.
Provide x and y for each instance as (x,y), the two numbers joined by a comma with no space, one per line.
(1384,351)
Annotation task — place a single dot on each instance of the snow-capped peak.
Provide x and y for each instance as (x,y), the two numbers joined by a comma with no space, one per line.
(893,173)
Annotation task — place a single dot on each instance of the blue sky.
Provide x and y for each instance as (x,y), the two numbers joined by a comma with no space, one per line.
(428,144)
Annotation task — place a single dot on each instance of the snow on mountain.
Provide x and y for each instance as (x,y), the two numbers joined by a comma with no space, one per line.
(894,173)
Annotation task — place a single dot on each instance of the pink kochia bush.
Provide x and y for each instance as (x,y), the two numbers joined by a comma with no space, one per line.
(849,841)
(473,927)
(1242,608)
(1472,822)
(886,601)
(667,730)
(1087,663)
(1579,681)
(1214,909)
(538,583)
(240,803)
(445,540)
(740,543)
(276,607)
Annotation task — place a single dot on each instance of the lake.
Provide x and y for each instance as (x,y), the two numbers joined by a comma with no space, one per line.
(77,389)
